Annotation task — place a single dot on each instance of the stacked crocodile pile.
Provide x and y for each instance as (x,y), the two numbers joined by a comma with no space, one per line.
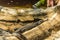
(29,24)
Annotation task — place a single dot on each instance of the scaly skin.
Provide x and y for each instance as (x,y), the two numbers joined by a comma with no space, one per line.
(39,32)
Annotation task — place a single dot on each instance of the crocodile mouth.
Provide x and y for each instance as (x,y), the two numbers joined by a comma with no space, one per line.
(13,3)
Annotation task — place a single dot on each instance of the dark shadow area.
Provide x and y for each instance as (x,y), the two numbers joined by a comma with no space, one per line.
(14,3)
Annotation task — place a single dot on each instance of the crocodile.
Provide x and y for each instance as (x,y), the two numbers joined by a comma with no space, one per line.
(21,14)
(43,30)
